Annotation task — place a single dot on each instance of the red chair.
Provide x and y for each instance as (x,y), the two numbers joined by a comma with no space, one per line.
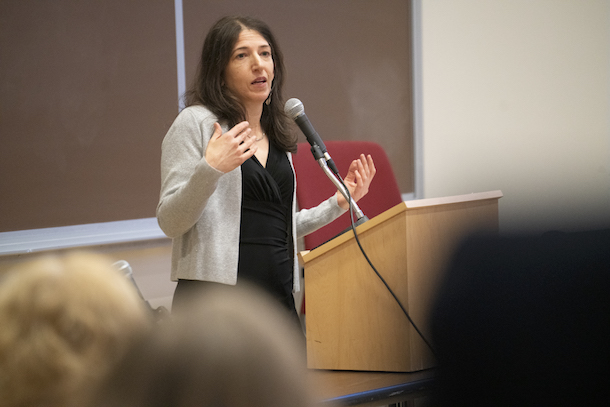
(313,186)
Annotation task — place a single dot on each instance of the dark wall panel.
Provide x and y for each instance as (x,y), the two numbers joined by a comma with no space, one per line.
(87,91)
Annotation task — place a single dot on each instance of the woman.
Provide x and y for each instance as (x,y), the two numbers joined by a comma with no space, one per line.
(228,186)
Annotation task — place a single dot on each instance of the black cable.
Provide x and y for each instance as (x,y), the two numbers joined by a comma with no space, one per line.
(353,227)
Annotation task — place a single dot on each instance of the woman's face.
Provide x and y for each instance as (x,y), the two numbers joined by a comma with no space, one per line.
(249,73)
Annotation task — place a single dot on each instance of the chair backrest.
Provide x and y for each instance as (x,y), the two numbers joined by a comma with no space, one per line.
(313,186)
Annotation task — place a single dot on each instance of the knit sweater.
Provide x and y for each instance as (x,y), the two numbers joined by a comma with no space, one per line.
(200,207)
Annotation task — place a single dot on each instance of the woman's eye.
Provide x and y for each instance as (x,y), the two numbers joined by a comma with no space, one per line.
(240,56)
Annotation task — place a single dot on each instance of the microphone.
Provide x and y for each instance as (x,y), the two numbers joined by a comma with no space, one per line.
(295,110)
(125,268)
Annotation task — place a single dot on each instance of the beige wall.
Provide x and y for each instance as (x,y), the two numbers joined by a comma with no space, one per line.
(515,97)
(149,260)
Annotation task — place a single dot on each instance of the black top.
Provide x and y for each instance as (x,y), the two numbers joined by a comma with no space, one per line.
(265,251)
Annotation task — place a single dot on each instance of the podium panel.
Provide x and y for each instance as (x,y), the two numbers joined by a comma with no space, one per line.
(353,322)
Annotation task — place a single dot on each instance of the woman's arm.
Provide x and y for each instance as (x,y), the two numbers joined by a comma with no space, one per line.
(195,155)
(358,179)
(187,180)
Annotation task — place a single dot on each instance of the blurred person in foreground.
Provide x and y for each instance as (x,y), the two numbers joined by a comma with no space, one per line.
(525,320)
(234,347)
(65,320)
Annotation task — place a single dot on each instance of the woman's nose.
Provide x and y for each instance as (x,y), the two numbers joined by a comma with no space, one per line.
(256,61)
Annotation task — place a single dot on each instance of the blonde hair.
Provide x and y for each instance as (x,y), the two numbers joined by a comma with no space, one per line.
(64,320)
(230,347)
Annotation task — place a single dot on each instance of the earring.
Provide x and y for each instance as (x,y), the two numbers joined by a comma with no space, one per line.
(268,100)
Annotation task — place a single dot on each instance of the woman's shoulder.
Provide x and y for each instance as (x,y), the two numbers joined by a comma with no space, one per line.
(198,112)
(193,121)
(195,117)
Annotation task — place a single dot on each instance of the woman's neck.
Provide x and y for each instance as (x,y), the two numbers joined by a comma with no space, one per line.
(254,118)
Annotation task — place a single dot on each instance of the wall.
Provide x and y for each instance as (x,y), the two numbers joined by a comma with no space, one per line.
(88,91)
(515,97)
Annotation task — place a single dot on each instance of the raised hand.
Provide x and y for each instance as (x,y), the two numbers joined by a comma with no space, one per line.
(358,179)
(227,151)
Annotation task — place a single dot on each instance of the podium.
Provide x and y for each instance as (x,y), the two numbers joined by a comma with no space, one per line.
(353,321)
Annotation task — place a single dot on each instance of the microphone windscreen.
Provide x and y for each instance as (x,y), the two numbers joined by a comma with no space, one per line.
(294,108)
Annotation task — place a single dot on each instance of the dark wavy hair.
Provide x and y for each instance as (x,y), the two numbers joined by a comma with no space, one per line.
(208,90)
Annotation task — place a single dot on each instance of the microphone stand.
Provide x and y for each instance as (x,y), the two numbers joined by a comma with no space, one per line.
(321,159)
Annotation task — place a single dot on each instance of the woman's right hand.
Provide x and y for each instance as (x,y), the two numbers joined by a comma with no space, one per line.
(227,151)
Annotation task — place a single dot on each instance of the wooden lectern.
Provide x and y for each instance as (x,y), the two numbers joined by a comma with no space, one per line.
(353,322)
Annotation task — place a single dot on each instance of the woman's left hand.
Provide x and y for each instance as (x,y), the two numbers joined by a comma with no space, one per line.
(358,179)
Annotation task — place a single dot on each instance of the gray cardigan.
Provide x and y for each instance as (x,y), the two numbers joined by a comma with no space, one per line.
(200,207)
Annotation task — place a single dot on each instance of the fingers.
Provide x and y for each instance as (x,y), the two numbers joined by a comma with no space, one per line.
(367,166)
(243,138)
(371,166)
(246,140)
(217,130)
(227,151)
(361,173)
(358,179)
(240,132)
(249,147)
(240,129)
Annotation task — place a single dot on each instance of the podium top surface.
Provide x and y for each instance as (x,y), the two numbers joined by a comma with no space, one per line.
(309,255)
(479,196)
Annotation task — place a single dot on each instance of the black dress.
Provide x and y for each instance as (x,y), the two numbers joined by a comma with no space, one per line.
(266,246)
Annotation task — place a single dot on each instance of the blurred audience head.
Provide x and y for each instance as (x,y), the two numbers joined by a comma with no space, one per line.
(230,347)
(525,320)
(64,321)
